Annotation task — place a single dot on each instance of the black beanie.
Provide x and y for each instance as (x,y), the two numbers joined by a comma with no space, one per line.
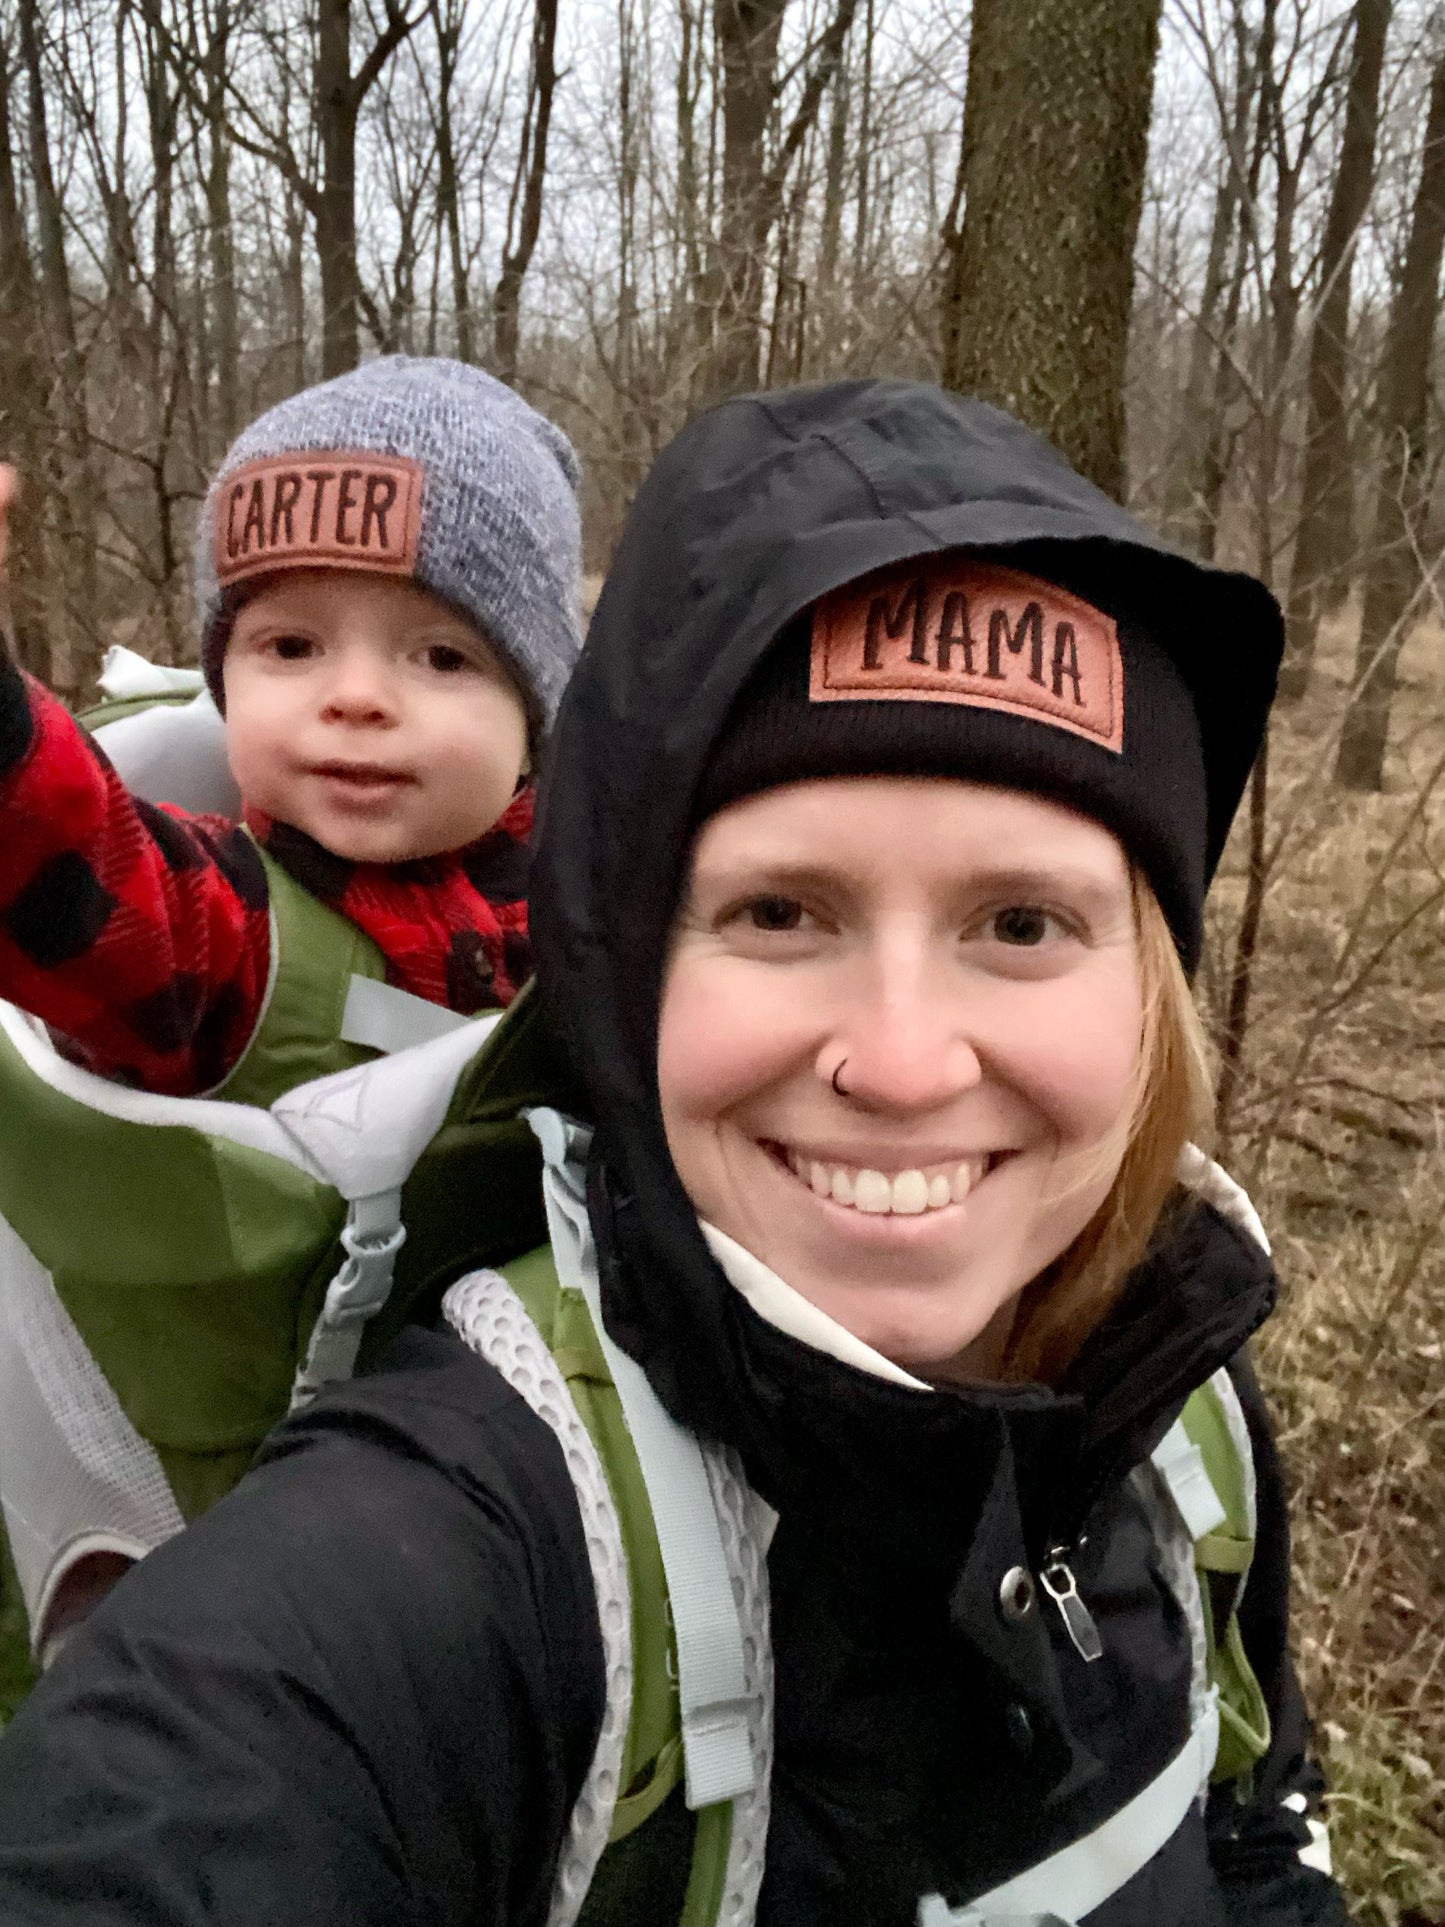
(961,665)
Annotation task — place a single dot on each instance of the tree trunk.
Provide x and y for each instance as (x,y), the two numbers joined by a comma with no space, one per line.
(1394,578)
(1192,441)
(524,215)
(1258,63)
(70,484)
(336,203)
(747,37)
(219,239)
(830,226)
(752,189)
(448,31)
(1326,499)
(1038,288)
(23,410)
(338,96)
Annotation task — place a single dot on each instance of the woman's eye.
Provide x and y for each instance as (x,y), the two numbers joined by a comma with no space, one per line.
(774,913)
(1022,924)
(446,659)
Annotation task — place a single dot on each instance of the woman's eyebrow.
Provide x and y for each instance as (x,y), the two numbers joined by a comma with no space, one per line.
(1047,879)
(1042,879)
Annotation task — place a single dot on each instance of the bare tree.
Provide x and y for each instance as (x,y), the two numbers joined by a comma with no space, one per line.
(1397,572)
(1039,269)
(524,210)
(748,33)
(1326,499)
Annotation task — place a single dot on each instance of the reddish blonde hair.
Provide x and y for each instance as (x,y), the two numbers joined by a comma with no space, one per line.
(1174,1103)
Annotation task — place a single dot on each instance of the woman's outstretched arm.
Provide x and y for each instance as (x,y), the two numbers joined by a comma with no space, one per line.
(365,1687)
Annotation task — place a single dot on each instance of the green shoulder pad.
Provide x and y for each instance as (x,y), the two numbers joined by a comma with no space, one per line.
(1222,1558)
(114,709)
(315,953)
(652,1752)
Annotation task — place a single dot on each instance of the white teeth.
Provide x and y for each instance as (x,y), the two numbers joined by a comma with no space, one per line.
(910,1194)
(965,1177)
(871,1192)
(907,1194)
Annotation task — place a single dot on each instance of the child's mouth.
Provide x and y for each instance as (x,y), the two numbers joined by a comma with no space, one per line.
(362,779)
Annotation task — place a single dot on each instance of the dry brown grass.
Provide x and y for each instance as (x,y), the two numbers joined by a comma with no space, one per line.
(1337,1131)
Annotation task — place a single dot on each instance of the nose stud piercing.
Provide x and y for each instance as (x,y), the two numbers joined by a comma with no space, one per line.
(833,1080)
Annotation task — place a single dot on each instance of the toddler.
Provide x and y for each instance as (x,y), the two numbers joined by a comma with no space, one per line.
(387,569)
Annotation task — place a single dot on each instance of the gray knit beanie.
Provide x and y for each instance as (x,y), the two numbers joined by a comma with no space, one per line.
(419,467)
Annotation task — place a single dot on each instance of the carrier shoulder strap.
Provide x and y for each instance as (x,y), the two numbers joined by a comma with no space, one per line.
(652,1752)
(328,1006)
(1213,1425)
(652,1758)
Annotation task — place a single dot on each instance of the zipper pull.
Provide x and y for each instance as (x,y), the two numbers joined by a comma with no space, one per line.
(1059,1583)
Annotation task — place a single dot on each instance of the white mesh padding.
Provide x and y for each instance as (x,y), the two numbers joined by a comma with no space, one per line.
(488,1315)
(1210,1181)
(75,1475)
(746,1523)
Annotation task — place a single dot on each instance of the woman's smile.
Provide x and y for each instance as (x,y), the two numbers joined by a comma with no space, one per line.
(878,1188)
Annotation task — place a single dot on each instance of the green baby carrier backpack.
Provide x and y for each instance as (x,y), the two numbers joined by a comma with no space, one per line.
(177,1273)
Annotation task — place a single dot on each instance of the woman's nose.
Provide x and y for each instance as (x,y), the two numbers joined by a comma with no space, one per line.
(905,1048)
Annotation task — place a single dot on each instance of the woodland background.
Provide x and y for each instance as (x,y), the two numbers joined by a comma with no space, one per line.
(1198,243)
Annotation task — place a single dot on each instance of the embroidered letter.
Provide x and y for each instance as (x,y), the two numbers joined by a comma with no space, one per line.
(1031,625)
(1066,661)
(255,520)
(882,622)
(953,629)
(288,493)
(380,494)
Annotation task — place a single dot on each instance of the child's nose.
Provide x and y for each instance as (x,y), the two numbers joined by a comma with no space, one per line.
(359,689)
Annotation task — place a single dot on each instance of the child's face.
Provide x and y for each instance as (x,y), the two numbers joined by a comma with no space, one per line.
(368,713)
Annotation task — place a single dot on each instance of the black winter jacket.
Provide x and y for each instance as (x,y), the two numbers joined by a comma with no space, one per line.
(365,1688)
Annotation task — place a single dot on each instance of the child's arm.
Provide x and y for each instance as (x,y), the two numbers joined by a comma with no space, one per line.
(140,934)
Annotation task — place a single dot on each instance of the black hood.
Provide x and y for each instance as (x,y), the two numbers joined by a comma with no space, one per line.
(753,512)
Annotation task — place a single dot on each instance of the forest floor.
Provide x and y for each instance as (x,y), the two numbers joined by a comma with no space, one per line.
(1337,1131)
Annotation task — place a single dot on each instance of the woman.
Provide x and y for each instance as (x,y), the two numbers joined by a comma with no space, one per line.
(873,858)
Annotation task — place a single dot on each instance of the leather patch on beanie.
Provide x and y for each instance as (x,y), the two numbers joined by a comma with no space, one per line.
(948,630)
(321,509)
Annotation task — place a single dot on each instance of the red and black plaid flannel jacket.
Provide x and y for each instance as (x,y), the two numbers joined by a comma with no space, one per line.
(141,935)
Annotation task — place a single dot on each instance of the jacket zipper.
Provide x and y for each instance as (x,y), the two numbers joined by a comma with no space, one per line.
(1057,1578)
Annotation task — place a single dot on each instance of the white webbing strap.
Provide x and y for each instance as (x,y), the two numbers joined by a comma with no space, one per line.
(1070,1884)
(1180,1463)
(712,1680)
(371,1237)
(381,1017)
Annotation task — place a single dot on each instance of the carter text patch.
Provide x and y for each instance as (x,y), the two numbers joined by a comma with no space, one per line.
(335,510)
(954,631)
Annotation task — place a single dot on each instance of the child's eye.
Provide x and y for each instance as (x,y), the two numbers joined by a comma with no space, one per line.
(291,648)
(774,913)
(1025,925)
(446,659)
